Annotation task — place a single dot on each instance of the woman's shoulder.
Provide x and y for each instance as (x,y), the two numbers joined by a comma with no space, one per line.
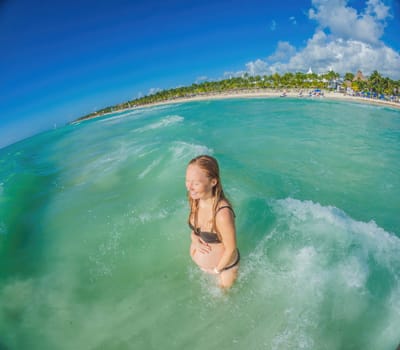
(223,203)
(225,208)
(224,216)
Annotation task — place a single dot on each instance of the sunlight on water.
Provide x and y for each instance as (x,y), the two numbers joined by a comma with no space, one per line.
(94,241)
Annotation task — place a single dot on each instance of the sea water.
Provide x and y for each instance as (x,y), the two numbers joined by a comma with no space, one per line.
(94,243)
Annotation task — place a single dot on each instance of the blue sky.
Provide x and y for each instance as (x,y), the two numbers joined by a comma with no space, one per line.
(62,59)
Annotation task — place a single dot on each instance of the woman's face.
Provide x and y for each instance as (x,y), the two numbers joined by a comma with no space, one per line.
(198,184)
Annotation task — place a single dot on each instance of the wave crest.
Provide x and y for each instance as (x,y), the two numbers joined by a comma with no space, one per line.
(184,150)
(167,121)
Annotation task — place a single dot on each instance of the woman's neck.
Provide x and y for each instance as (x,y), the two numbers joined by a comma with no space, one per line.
(206,202)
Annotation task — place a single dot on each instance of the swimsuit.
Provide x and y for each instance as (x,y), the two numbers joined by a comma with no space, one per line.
(236,262)
(212,237)
(208,237)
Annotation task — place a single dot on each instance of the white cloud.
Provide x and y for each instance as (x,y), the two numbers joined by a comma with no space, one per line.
(273,25)
(201,79)
(154,91)
(345,22)
(229,75)
(345,40)
(378,9)
(323,53)
(258,67)
(283,52)
(293,20)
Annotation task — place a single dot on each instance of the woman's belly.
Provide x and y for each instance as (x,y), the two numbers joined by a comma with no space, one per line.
(207,260)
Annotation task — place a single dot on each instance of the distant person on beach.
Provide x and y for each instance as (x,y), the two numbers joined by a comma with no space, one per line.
(212,221)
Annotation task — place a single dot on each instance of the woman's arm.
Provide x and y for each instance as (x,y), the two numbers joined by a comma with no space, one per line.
(226,226)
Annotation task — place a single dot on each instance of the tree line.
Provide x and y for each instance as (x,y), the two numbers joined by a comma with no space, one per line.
(375,85)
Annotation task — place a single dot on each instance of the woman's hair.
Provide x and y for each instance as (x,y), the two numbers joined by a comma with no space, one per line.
(210,166)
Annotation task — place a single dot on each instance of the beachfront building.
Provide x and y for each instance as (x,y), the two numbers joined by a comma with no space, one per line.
(359,77)
(335,84)
(355,86)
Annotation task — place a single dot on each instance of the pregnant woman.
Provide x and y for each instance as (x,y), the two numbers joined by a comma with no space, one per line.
(212,221)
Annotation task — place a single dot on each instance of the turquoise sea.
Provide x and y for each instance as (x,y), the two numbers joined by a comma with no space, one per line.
(94,243)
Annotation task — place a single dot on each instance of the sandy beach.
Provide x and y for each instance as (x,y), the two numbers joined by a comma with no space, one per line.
(278,93)
(298,93)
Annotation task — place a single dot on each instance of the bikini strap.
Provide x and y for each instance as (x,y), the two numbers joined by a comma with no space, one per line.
(225,206)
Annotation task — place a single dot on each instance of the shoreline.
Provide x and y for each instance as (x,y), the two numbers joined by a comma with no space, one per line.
(257,94)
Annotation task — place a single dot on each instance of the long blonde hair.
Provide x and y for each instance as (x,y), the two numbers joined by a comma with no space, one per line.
(210,166)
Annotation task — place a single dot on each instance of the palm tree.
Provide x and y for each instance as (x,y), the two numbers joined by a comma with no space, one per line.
(349,76)
(276,79)
(376,82)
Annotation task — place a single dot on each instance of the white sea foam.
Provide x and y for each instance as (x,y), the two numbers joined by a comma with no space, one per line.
(390,328)
(353,272)
(151,213)
(293,337)
(167,121)
(333,223)
(316,260)
(103,167)
(123,117)
(133,114)
(305,210)
(153,164)
(304,261)
(159,107)
(184,150)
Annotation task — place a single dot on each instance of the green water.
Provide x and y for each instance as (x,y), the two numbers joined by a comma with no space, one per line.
(94,241)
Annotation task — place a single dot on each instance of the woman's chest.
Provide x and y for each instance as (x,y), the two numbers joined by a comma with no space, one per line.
(204,219)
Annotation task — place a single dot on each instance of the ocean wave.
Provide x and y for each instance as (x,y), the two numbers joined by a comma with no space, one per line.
(105,163)
(185,150)
(167,121)
(324,220)
(316,260)
(132,115)
(315,247)
(159,107)
(93,164)
(153,164)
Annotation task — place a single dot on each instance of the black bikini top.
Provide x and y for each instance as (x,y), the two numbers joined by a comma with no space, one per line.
(209,237)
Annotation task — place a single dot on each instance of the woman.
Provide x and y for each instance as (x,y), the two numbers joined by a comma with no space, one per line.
(212,221)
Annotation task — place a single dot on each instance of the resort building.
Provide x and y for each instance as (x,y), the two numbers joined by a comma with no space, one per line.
(359,76)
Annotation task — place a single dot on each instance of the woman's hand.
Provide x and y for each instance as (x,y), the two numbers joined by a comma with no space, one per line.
(200,246)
